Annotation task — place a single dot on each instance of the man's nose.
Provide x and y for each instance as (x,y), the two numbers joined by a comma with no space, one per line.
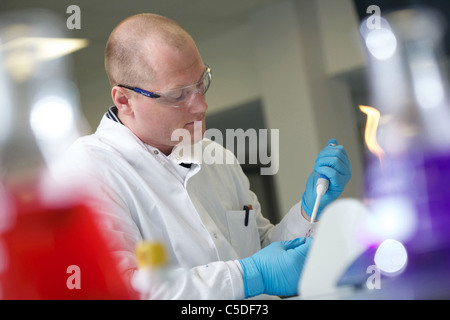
(197,103)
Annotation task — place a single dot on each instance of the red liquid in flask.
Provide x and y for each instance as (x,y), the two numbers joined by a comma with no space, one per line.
(57,252)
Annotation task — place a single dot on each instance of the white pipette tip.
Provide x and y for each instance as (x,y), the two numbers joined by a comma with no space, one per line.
(322,185)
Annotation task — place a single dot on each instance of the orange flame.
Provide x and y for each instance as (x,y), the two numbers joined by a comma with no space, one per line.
(373,119)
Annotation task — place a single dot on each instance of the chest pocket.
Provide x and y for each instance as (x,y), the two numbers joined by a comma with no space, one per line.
(244,239)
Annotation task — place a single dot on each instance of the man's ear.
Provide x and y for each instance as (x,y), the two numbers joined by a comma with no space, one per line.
(121,97)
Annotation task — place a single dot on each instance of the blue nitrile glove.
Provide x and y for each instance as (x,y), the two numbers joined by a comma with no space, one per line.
(333,163)
(275,269)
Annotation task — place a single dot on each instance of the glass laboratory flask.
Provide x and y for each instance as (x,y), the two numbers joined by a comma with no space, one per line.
(407,184)
(409,86)
(50,244)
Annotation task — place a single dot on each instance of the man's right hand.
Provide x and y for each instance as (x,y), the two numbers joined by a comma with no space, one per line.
(275,269)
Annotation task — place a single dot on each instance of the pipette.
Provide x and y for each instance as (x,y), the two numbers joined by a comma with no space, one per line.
(322,185)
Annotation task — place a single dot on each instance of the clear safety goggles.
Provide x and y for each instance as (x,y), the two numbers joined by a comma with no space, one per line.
(177,96)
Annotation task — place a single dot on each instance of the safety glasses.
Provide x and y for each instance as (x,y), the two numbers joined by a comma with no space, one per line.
(177,96)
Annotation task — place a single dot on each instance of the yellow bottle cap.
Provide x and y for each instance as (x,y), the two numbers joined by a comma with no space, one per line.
(151,255)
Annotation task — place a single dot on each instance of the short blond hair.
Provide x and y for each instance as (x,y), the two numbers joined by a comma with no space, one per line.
(124,52)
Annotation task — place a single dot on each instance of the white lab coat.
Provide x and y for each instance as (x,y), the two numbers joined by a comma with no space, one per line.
(197,213)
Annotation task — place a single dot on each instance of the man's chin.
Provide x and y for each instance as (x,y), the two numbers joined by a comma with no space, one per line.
(192,133)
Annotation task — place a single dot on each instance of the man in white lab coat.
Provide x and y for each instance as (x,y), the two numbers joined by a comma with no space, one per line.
(154,188)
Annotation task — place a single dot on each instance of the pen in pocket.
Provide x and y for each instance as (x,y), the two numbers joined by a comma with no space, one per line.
(247,214)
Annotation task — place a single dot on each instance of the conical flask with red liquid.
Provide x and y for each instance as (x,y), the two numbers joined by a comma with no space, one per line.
(50,244)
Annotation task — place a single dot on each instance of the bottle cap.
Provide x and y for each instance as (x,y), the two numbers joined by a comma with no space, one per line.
(151,255)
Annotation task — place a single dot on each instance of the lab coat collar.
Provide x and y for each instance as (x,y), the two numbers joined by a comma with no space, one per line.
(126,140)
(188,153)
(119,135)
